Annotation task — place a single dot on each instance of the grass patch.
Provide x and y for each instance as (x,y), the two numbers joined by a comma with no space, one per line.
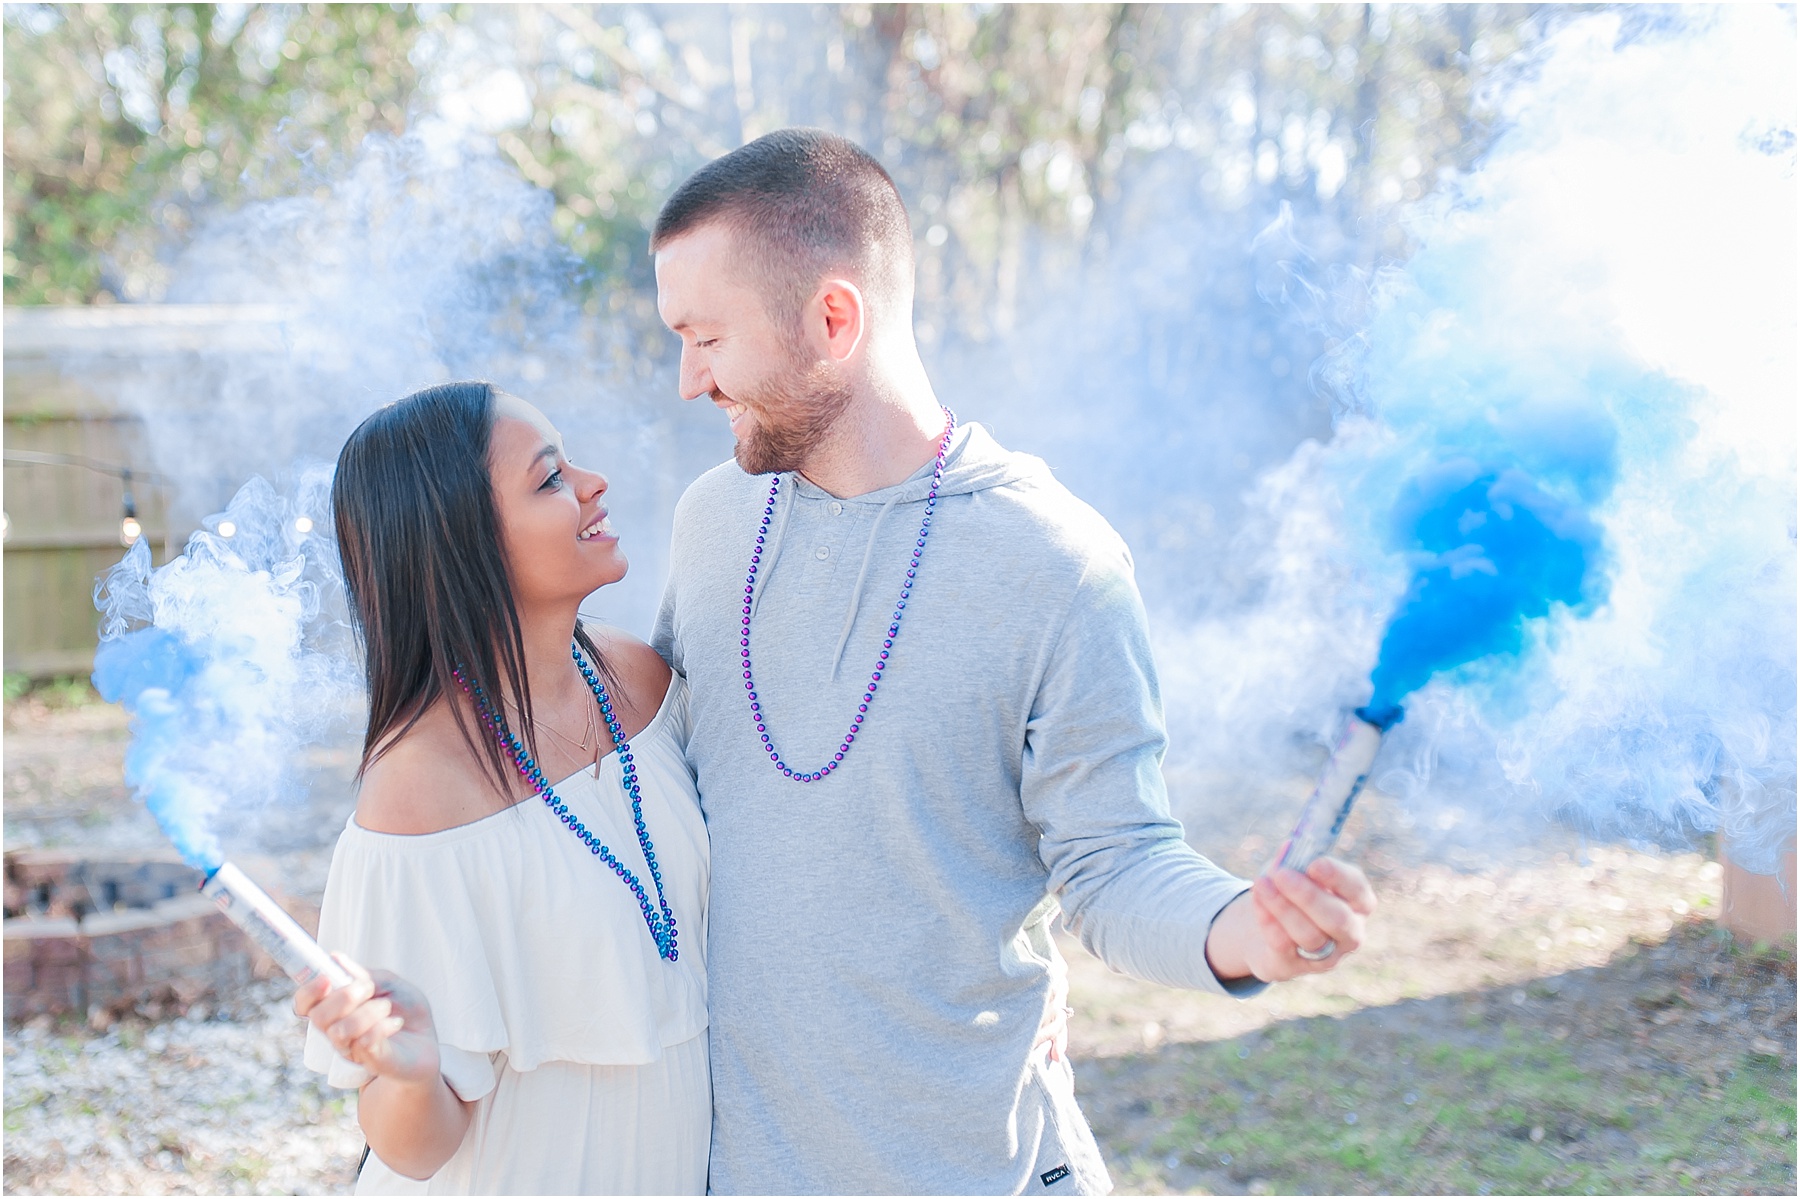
(1303,1112)
(249,1168)
(17,1104)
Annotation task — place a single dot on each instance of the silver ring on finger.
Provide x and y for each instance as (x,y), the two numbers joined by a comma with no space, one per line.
(1317,955)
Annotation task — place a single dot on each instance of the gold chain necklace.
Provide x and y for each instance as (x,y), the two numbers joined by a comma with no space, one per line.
(588,748)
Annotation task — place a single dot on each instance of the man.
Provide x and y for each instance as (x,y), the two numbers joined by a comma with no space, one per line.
(924,712)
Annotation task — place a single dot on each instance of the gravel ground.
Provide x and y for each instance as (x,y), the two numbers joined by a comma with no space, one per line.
(211,1102)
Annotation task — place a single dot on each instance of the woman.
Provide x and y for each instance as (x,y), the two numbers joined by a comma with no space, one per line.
(527,851)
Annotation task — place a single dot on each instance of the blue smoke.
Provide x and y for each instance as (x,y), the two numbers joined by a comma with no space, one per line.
(1555,512)
(154,675)
(230,660)
(1493,551)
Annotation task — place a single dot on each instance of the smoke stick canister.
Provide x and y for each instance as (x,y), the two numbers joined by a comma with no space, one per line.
(1322,819)
(276,932)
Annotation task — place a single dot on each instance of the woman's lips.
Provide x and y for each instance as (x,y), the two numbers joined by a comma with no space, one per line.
(600,530)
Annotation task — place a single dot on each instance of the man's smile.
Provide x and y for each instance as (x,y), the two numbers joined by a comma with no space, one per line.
(733,410)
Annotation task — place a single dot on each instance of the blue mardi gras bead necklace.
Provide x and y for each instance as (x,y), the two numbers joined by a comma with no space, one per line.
(660,920)
(887,642)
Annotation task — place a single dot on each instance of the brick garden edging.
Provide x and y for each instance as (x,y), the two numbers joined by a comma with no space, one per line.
(101,932)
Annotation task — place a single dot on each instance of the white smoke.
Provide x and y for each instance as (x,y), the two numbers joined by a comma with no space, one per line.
(1624,253)
(1627,246)
(231,659)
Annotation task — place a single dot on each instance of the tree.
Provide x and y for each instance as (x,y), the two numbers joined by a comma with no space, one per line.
(125,123)
(1027,138)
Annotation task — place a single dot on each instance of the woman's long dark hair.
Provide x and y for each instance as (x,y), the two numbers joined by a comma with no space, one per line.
(425,567)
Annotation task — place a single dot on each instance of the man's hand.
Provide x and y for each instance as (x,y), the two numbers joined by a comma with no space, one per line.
(1263,931)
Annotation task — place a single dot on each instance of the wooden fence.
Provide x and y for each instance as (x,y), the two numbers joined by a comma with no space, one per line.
(76,447)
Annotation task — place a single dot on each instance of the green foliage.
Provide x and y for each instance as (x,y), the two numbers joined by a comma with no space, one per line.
(69,693)
(126,122)
(63,692)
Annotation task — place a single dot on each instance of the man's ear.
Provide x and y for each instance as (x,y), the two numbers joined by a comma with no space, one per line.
(839,303)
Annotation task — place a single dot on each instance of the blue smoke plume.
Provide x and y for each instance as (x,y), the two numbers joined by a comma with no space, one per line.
(1556,507)
(152,673)
(1493,550)
(230,660)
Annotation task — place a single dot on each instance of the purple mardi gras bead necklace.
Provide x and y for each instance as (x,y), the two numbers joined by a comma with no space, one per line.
(659,919)
(887,642)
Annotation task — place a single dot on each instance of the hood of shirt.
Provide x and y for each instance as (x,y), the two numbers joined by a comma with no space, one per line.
(974,462)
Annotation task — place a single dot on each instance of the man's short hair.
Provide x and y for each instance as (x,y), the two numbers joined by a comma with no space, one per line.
(807,203)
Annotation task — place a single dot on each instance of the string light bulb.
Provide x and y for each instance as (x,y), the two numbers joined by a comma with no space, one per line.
(303,525)
(129,528)
(227,529)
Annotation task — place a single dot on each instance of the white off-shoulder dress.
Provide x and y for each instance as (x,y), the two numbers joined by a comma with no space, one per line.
(584,1052)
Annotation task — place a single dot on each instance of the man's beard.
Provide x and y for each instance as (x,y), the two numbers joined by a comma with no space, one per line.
(789,418)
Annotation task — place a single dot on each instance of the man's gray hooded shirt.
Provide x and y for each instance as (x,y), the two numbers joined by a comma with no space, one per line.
(879,947)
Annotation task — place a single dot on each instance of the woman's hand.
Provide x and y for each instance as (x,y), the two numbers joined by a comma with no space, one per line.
(413,1120)
(379,1021)
(1324,911)
(1053,1029)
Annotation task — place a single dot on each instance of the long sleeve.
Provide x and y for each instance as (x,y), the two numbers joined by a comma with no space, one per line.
(663,638)
(1131,888)
(662,633)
